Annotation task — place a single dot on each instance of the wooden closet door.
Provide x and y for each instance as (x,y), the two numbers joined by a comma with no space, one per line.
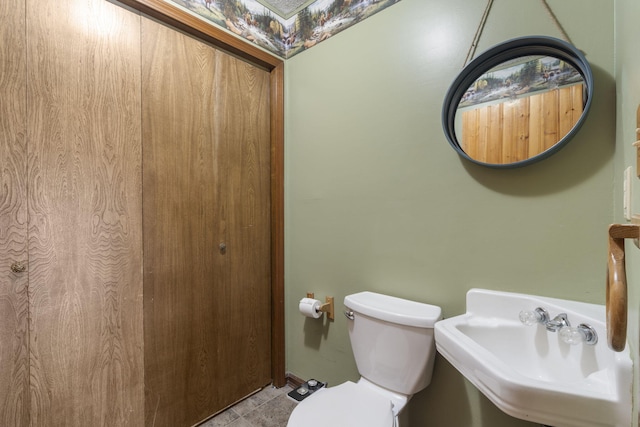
(242,126)
(85,245)
(206,175)
(14,337)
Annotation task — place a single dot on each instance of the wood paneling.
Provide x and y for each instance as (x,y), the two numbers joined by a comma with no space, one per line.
(206,163)
(70,206)
(14,302)
(277,227)
(516,130)
(242,125)
(203,30)
(85,242)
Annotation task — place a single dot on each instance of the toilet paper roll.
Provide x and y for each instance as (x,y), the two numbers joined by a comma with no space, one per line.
(310,307)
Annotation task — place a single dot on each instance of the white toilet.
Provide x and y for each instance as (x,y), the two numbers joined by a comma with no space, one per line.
(394,349)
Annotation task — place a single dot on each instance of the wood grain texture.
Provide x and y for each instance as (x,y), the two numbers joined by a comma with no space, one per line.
(494,147)
(85,242)
(243,128)
(278,366)
(536,130)
(551,118)
(185,21)
(14,302)
(616,285)
(516,130)
(570,108)
(206,181)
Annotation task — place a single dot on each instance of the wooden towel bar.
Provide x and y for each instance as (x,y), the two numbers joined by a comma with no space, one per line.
(617,284)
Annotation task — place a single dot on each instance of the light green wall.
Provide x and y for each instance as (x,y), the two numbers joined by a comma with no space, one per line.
(377,200)
(627,33)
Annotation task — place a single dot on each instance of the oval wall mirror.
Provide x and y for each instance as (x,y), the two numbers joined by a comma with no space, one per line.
(519,102)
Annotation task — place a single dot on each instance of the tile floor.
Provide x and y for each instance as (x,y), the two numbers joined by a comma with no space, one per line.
(270,407)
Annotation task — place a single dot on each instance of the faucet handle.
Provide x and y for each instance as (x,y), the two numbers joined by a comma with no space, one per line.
(529,317)
(582,334)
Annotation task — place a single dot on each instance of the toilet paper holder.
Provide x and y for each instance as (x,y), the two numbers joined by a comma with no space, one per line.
(327,307)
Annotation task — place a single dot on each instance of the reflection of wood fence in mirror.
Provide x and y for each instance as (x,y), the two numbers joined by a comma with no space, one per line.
(519,129)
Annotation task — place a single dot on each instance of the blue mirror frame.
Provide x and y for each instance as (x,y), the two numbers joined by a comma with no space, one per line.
(509,50)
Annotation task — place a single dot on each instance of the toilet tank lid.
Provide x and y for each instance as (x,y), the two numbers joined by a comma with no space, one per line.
(393,309)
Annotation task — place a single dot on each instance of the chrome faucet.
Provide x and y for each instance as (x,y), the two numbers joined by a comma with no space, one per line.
(557,323)
(540,315)
(583,333)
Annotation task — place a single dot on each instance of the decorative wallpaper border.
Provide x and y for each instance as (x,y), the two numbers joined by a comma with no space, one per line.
(285,38)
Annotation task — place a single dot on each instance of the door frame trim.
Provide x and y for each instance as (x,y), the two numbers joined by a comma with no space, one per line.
(278,374)
(183,21)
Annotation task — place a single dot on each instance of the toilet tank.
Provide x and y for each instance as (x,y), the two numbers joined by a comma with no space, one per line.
(392,340)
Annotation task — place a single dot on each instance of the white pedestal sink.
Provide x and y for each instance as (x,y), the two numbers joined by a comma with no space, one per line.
(529,372)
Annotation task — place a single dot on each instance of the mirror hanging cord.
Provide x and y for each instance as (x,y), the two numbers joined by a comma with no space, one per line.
(476,37)
(553,17)
(483,21)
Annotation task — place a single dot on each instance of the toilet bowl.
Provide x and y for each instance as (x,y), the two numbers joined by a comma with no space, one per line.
(393,345)
(348,404)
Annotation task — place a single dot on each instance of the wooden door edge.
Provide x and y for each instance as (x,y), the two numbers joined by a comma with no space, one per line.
(277,227)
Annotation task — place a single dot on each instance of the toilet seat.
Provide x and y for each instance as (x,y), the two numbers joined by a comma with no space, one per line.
(346,405)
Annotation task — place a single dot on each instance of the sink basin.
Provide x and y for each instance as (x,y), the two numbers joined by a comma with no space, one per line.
(531,373)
